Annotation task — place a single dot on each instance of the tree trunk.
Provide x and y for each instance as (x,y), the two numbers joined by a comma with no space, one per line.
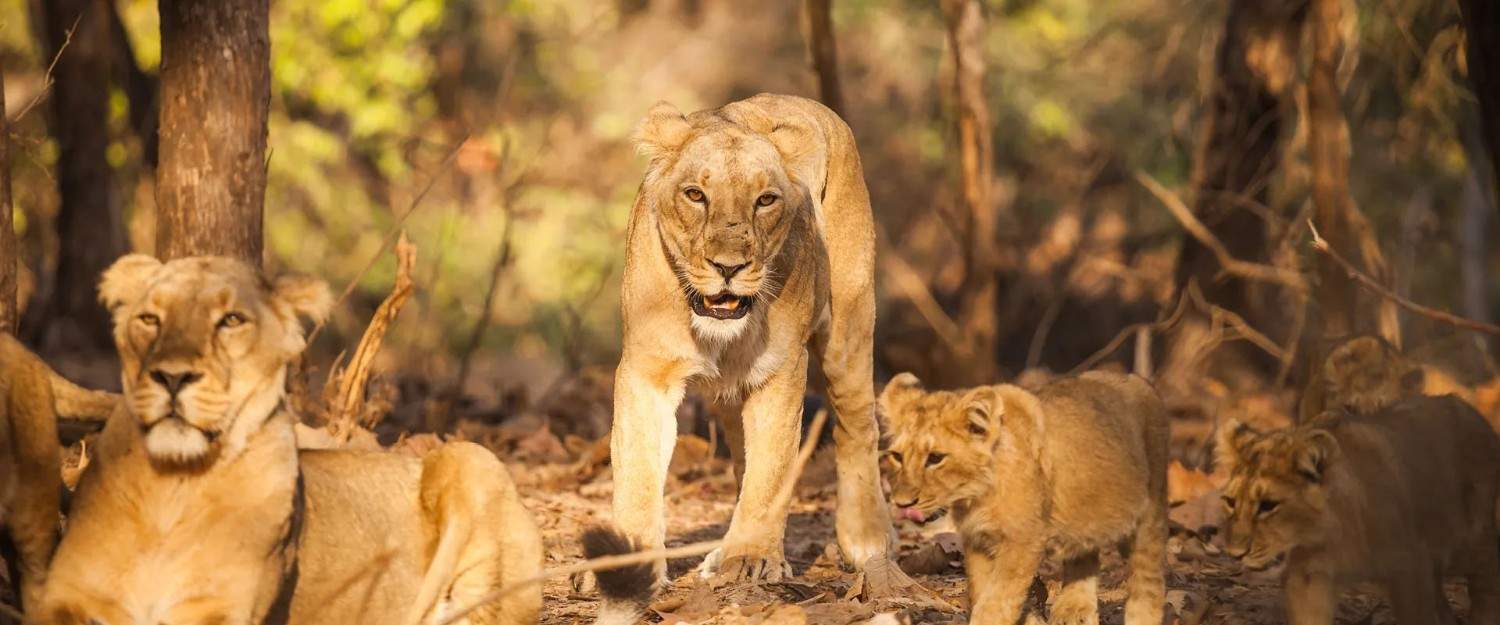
(817,28)
(215,94)
(9,256)
(977,299)
(1337,218)
(1238,156)
(90,230)
(1482,26)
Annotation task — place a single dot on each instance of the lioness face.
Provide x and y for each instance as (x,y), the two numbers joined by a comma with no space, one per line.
(725,204)
(940,446)
(204,344)
(1274,500)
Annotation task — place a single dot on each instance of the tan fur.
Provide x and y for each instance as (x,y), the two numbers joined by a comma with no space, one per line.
(183,511)
(1399,497)
(196,527)
(1365,374)
(32,397)
(808,265)
(399,540)
(1077,466)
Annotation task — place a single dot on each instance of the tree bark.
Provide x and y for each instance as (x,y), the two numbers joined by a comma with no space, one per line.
(215,95)
(90,230)
(822,51)
(977,298)
(1482,27)
(9,257)
(1337,218)
(1241,147)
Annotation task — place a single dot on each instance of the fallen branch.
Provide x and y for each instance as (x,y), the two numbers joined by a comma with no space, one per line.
(1230,264)
(783,497)
(348,408)
(1377,288)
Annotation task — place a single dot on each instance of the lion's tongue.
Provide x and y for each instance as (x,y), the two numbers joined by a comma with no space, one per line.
(726,301)
(913,514)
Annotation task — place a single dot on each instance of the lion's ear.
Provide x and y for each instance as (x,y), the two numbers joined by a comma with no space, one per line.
(662,132)
(1317,447)
(1232,437)
(897,392)
(126,278)
(306,296)
(985,412)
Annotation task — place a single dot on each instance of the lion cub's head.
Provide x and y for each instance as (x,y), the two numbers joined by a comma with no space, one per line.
(725,201)
(1275,498)
(1365,374)
(204,345)
(941,445)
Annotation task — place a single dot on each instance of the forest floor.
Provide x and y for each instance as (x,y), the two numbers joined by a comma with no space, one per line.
(1204,586)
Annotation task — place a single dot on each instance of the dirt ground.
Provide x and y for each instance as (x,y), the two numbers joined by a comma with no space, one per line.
(1204,586)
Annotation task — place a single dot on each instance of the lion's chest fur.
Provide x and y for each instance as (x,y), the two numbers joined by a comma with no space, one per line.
(176,548)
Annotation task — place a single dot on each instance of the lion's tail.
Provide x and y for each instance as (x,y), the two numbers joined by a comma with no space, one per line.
(455,535)
(72,401)
(626,589)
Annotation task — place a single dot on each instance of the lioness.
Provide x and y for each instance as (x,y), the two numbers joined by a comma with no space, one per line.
(1401,497)
(197,508)
(32,397)
(1079,465)
(750,241)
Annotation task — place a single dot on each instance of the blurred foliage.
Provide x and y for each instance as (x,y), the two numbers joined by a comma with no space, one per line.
(371,97)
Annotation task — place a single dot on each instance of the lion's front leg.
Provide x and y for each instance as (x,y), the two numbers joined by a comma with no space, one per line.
(640,446)
(772,419)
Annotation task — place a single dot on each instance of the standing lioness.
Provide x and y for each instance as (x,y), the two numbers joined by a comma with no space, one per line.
(750,244)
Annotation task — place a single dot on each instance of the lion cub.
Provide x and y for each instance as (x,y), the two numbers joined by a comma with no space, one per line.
(1399,496)
(1074,467)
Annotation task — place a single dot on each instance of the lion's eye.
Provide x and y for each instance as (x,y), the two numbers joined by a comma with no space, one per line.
(1229,502)
(935,459)
(232,320)
(694,194)
(766,199)
(148,319)
(896,457)
(1268,506)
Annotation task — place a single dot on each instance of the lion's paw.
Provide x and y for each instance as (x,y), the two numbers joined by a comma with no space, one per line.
(722,570)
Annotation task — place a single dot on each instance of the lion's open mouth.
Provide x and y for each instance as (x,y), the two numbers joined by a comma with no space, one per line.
(725,305)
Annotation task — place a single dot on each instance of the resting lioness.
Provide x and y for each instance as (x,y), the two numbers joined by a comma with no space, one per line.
(750,247)
(32,397)
(1400,497)
(196,508)
(1077,466)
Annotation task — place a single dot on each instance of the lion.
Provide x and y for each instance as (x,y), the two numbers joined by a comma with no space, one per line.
(199,508)
(750,246)
(1365,374)
(1078,465)
(1399,497)
(32,398)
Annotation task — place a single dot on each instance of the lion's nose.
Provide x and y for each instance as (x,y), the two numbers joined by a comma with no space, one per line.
(174,381)
(728,271)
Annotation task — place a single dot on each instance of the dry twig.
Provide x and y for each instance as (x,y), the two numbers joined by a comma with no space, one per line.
(1230,264)
(349,382)
(783,498)
(1374,286)
(47,80)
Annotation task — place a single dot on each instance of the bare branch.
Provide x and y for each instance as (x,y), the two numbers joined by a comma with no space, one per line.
(1231,265)
(1374,286)
(349,408)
